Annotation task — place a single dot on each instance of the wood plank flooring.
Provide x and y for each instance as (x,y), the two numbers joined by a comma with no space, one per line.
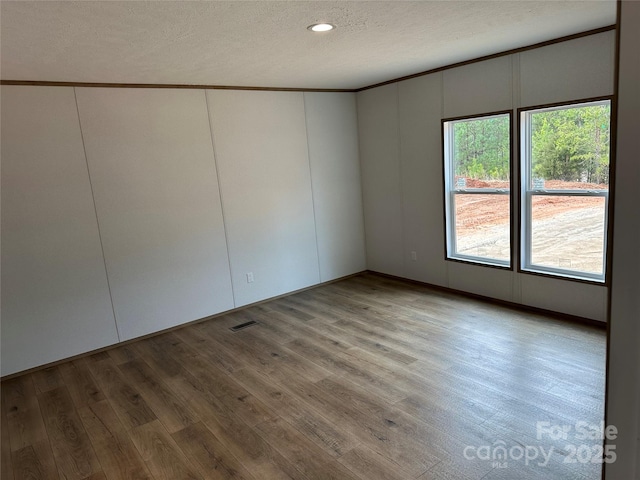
(367,378)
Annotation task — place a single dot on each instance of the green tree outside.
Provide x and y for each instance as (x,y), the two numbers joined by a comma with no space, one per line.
(571,145)
(481,148)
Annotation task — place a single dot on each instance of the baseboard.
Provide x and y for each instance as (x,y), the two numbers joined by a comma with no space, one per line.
(516,306)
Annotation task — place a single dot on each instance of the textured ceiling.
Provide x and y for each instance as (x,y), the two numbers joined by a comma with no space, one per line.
(266,43)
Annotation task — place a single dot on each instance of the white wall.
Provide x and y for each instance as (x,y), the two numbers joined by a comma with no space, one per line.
(481,87)
(261,149)
(171,214)
(401,161)
(156,192)
(332,132)
(55,297)
(580,68)
(420,107)
(378,135)
(623,401)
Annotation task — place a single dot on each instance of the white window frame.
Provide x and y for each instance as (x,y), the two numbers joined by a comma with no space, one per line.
(452,190)
(527,194)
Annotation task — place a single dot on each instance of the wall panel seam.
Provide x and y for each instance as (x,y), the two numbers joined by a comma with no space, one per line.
(313,197)
(95,209)
(220,194)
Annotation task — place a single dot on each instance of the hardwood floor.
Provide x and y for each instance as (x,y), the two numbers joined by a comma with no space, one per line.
(368,378)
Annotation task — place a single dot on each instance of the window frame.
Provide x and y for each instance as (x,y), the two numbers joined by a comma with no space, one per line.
(449,190)
(526,194)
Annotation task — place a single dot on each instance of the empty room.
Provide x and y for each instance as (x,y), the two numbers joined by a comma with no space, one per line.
(320,240)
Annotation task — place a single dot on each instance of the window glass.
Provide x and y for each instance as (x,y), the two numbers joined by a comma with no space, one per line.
(482,226)
(570,148)
(477,179)
(481,152)
(568,233)
(565,165)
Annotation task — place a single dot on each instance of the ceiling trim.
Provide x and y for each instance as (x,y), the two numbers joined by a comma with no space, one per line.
(42,83)
(494,55)
(287,89)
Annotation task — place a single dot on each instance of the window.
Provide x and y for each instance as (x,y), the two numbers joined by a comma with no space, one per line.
(477,172)
(565,189)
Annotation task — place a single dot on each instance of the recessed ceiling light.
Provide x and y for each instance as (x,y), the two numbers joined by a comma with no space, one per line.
(321,27)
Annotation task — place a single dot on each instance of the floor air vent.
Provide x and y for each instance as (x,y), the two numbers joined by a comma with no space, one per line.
(243,325)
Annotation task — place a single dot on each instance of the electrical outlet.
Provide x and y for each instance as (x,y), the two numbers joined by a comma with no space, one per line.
(250,277)
(414,256)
